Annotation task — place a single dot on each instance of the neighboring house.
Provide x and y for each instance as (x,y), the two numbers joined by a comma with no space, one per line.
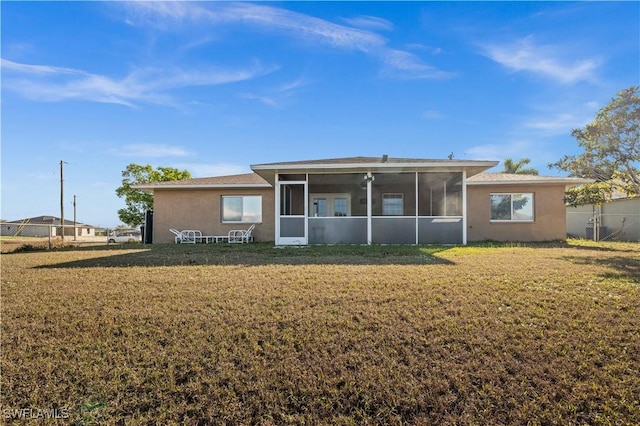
(45,226)
(366,200)
(618,219)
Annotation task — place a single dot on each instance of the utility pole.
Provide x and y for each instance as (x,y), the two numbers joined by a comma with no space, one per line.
(62,200)
(75,230)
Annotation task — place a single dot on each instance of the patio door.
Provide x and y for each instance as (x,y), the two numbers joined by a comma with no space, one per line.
(292,213)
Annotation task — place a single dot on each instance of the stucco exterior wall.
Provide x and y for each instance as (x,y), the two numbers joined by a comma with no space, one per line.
(17,229)
(43,230)
(549,222)
(200,209)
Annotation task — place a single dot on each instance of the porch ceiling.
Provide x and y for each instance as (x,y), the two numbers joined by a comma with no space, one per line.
(369,164)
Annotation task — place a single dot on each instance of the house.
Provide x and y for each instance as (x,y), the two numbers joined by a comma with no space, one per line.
(618,219)
(366,200)
(45,226)
(537,206)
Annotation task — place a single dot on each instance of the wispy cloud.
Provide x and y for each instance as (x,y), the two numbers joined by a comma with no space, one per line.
(161,14)
(397,63)
(153,85)
(500,151)
(266,100)
(278,96)
(425,48)
(432,114)
(546,60)
(540,151)
(369,22)
(557,117)
(292,85)
(38,69)
(536,135)
(150,151)
(402,64)
(177,15)
(557,124)
(143,85)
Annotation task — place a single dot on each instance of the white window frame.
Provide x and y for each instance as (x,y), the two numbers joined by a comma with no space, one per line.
(316,208)
(530,195)
(242,214)
(392,196)
(333,206)
(330,199)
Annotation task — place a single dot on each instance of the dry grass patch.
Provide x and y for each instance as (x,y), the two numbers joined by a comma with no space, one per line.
(468,335)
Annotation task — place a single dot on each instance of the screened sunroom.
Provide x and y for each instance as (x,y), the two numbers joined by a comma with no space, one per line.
(365,200)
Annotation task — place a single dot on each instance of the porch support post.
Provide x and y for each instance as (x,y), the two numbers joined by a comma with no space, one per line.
(277,210)
(464,207)
(306,209)
(369,209)
(417,220)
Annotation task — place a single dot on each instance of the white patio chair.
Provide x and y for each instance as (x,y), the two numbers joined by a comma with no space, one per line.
(241,235)
(193,236)
(187,236)
(178,235)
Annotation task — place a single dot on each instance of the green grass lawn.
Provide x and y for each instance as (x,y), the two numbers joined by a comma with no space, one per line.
(483,334)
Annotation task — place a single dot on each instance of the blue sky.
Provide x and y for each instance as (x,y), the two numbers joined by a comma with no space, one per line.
(213,87)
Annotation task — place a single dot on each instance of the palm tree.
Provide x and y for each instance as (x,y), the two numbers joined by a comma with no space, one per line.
(517,167)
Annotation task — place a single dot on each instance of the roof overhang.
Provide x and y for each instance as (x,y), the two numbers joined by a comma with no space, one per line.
(547,181)
(472,167)
(238,181)
(152,187)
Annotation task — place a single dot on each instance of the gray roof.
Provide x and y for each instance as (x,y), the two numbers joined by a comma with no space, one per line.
(513,179)
(353,160)
(382,164)
(246,180)
(46,220)
(264,175)
(253,180)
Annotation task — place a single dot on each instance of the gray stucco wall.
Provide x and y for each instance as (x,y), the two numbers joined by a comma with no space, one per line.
(619,220)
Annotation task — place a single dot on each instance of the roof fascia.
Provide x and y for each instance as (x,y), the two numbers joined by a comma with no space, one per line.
(267,171)
(374,166)
(567,182)
(203,186)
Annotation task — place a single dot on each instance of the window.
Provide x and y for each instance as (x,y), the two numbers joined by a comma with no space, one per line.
(392,205)
(242,208)
(330,205)
(512,207)
(319,207)
(340,207)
